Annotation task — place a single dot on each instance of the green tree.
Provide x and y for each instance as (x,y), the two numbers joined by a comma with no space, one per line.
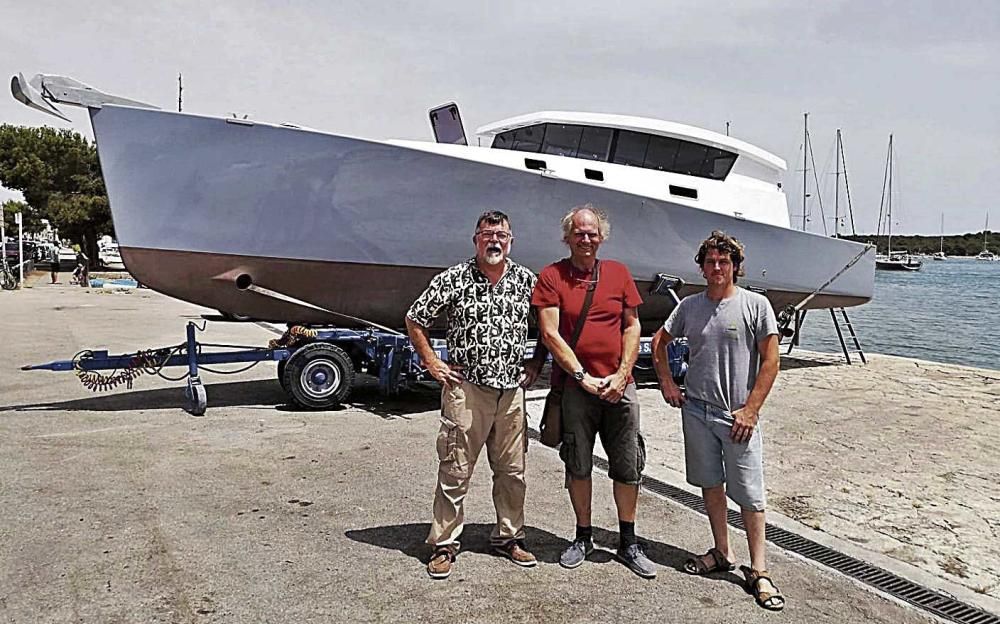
(32,222)
(58,173)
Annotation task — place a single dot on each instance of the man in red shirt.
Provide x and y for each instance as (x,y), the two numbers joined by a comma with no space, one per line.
(599,393)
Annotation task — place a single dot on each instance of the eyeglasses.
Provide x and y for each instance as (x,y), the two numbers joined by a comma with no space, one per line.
(583,235)
(500,235)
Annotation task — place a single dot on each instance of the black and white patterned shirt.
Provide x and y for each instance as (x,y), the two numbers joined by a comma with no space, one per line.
(487,324)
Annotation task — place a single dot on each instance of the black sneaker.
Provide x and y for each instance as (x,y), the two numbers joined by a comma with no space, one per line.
(576,553)
(635,559)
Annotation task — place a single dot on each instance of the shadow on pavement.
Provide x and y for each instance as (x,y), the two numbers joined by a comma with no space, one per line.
(238,394)
(409,540)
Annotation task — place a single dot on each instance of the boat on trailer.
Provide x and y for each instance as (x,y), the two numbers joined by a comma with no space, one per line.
(288,224)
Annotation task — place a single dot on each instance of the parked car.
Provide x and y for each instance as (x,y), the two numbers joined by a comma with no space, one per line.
(67,255)
(10,251)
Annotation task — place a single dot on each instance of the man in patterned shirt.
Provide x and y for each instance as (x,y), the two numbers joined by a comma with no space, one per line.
(486,300)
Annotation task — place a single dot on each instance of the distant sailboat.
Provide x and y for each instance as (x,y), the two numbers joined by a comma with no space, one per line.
(986,254)
(939,255)
(899,260)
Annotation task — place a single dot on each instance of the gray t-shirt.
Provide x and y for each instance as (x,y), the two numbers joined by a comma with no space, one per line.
(722,338)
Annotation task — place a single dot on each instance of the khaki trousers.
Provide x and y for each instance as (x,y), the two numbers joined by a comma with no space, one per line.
(473,416)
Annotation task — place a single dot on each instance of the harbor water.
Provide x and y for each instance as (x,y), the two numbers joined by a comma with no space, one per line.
(946,312)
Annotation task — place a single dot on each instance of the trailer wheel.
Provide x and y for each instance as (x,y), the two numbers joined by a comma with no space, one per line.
(197,398)
(281,374)
(318,376)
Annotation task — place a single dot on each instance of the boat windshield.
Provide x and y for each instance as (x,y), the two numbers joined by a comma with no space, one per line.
(623,147)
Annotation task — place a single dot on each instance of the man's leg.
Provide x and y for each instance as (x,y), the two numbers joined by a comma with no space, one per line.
(580,415)
(715,504)
(755,524)
(505,448)
(465,423)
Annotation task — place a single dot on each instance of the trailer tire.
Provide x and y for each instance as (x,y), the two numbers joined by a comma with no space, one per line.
(281,374)
(318,376)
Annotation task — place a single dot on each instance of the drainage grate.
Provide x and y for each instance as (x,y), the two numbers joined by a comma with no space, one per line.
(935,602)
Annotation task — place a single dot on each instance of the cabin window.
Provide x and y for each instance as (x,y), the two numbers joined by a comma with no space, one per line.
(595,143)
(504,140)
(562,139)
(630,149)
(717,164)
(529,139)
(690,158)
(661,153)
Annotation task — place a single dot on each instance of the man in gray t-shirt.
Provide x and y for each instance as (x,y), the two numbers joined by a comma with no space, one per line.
(733,341)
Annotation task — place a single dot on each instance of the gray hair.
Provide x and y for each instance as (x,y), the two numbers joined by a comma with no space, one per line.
(603,224)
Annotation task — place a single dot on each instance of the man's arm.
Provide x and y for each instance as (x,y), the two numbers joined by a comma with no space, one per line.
(437,367)
(745,418)
(661,362)
(614,386)
(548,325)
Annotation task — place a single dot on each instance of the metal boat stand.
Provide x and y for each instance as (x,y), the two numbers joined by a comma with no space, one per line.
(800,317)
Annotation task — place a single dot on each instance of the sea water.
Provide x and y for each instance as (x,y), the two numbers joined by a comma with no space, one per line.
(945,312)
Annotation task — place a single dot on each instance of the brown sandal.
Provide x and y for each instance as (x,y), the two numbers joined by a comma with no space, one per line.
(768,600)
(696,565)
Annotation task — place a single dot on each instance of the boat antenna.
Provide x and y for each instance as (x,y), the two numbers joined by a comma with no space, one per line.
(180,90)
(727,128)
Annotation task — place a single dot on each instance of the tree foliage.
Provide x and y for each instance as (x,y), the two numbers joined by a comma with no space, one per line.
(59,175)
(954,245)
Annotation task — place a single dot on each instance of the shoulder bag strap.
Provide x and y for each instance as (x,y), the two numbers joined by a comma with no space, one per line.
(587,300)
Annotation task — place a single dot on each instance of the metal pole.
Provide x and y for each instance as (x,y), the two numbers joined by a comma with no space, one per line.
(20,250)
(180,90)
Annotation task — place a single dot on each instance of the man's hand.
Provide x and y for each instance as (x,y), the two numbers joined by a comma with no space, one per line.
(445,373)
(613,387)
(592,384)
(744,421)
(671,392)
(532,368)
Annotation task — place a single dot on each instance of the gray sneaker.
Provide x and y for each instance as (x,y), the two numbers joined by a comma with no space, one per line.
(635,559)
(577,552)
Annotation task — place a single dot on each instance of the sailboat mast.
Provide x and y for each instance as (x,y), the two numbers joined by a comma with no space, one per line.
(986,229)
(836,193)
(942,233)
(889,197)
(805,165)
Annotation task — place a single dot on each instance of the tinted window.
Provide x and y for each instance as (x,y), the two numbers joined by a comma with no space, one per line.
(717,164)
(561,139)
(661,153)
(595,143)
(529,139)
(631,148)
(689,158)
(504,140)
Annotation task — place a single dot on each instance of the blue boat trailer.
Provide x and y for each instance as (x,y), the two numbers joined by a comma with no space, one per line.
(316,365)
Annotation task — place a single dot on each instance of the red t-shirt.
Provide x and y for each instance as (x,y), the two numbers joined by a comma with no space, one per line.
(599,348)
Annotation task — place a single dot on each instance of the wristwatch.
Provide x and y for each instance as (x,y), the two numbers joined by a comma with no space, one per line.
(578,375)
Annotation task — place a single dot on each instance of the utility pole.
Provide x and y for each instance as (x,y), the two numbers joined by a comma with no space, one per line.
(180,90)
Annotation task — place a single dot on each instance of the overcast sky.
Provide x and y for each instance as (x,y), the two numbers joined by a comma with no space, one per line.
(929,72)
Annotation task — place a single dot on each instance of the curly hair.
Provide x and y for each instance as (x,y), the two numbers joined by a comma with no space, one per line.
(726,244)
(603,224)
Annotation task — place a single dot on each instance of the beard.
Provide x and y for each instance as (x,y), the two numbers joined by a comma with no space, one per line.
(494,256)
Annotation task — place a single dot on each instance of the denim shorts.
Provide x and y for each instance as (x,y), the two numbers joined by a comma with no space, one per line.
(712,458)
(584,417)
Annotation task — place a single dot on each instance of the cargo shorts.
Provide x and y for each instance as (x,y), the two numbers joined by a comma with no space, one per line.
(584,417)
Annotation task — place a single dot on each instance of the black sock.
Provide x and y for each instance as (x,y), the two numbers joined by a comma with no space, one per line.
(584,533)
(626,533)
